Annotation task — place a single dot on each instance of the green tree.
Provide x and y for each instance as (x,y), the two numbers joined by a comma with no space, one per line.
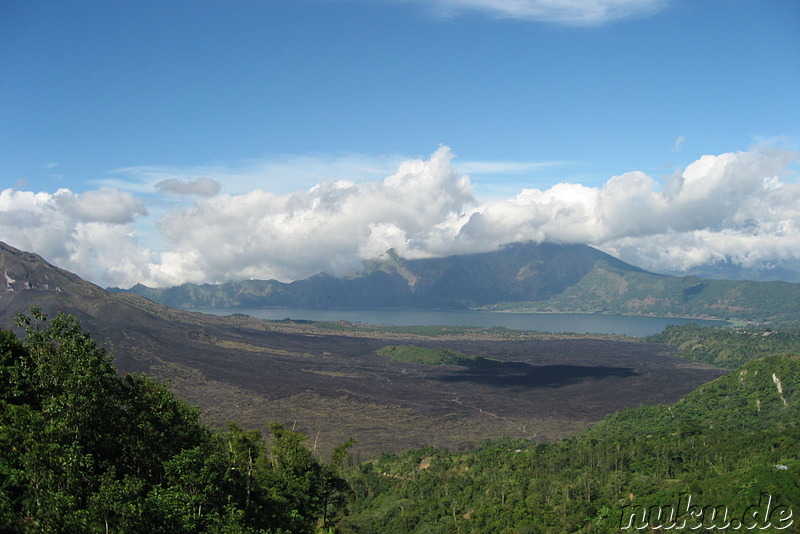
(311,492)
(85,450)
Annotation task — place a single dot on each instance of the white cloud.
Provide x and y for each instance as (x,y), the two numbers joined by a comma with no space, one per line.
(716,206)
(88,233)
(427,209)
(330,227)
(571,12)
(103,205)
(763,243)
(742,207)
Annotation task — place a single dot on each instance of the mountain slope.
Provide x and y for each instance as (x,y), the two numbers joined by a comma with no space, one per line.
(24,271)
(126,322)
(763,394)
(606,288)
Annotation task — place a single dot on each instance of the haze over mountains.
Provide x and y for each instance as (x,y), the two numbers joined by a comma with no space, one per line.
(519,277)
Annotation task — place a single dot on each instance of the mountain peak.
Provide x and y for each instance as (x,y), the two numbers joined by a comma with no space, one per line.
(392,255)
(24,271)
(20,271)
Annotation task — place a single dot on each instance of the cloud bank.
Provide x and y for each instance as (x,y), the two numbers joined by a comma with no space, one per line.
(91,234)
(741,207)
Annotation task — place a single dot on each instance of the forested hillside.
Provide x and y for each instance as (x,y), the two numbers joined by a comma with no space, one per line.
(727,348)
(731,444)
(84,450)
(609,289)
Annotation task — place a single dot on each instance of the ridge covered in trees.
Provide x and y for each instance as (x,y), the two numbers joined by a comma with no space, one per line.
(727,348)
(728,447)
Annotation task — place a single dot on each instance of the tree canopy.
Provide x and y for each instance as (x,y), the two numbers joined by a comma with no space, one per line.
(86,450)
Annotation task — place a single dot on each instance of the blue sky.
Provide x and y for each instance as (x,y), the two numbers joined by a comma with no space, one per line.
(111,99)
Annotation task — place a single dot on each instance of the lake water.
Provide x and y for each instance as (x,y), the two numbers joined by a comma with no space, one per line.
(581,323)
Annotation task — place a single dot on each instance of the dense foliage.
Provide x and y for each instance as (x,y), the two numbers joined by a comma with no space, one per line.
(725,347)
(85,450)
(731,444)
(435,356)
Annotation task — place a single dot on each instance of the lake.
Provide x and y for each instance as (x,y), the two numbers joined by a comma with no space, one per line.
(581,323)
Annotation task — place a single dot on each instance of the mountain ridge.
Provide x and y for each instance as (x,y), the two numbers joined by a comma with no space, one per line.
(521,277)
(515,272)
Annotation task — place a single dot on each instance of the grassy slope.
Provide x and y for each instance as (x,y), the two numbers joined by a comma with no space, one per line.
(439,356)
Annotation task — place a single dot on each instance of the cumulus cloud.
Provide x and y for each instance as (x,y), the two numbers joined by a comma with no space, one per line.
(330,227)
(204,187)
(719,206)
(579,13)
(105,205)
(89,233)
(741,207)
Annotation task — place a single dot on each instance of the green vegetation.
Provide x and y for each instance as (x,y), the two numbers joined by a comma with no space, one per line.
(611,289)
(727,348)
(725,445)
(85,450)
(413,354)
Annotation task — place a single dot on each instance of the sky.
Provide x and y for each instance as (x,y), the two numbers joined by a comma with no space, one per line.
(202,141)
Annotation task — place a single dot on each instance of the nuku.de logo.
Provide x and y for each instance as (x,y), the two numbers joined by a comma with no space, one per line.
(686,515)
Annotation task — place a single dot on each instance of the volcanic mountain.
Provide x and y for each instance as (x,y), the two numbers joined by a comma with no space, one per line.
(518,277)
(517,272)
